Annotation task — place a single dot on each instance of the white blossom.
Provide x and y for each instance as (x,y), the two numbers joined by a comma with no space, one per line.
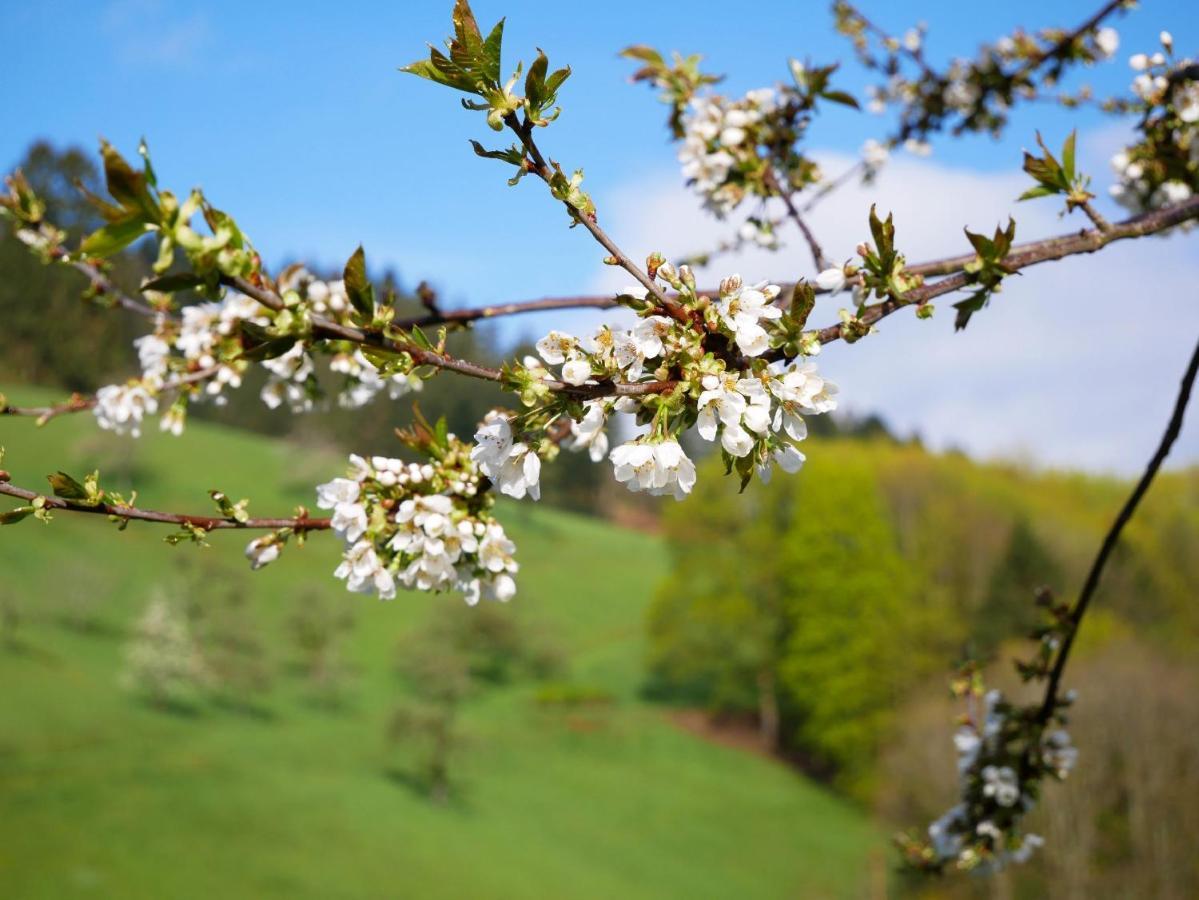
(363,572)
(121,407)
(262,551)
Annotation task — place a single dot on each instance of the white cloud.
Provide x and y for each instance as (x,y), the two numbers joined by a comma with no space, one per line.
(1075,364)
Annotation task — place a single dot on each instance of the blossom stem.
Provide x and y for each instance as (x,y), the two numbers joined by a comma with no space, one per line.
(101,283)
(1063,46)
(208,523)
(818,257)
(1112,538)
(1095,216)
(79,402)
(524,131)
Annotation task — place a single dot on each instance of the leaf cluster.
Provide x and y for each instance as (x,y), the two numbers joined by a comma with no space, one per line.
(987,270)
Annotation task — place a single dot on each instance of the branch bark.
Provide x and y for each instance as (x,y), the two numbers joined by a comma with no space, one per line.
(1112,538)
(208,523)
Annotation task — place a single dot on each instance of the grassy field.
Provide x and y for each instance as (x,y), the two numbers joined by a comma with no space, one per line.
(104,796)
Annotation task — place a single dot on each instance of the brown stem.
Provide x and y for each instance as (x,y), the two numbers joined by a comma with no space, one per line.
(100,282)
(79,402)
(1112,538)
(1068,40)
(772,182)
(1032,254)
(208,523)
(524,131)
(1095,216)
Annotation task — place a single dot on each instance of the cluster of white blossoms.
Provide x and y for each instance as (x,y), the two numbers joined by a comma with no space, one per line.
(968,87)
(200,355)
(995,777)
(721,136)
(1163,169)
(364,382)
(752,405)
(420,526)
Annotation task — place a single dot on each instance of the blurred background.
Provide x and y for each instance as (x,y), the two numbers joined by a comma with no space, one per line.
(732,696)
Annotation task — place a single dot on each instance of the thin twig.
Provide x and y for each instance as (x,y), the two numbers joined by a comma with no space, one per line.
(1112,538)
(524,131)
(1067,41)
(208,523)
(817,253)
(1095,216)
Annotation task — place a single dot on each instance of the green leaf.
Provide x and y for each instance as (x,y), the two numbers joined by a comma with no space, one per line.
(259,343)
(513,155)
(143,150)
(420,338)
(358,288)
(126,186)
(66,487)
(842,97)
(968,307)
(491,51)
(1034,192)
(179,281)
(884,239)
(114,237)
(1068,156)
(643,53)
(12,516)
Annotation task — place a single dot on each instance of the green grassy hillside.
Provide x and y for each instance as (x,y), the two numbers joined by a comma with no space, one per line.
(104,796)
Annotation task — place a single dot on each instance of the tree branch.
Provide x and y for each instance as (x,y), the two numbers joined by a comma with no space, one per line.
(1112,538)
(524,131)
(817,254)
(208,523)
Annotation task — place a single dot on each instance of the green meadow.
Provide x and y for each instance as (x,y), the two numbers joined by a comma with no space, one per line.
(104,795)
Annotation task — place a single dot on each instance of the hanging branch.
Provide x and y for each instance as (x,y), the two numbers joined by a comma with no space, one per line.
(1112,538)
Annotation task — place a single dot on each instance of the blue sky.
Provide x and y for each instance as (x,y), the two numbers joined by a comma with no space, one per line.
(294,118)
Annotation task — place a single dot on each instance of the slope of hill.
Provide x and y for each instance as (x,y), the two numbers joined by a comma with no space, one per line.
(101,795)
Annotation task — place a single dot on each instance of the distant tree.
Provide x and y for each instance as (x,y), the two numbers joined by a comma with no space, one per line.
(228,637)
(59,339)
(162,658)
(318,628)
(1007,611)
(454,655)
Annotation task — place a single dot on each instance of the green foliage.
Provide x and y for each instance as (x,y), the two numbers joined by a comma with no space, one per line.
(1055,177)
(987,270)
(1008,611)
(60,339)
(358,287)
(840,589)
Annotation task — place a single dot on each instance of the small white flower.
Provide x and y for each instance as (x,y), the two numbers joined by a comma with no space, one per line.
(363,572)
(121,407)
(649,334)
(831,280)
(1001,783)
(556,346)
(589,433)
(874,154)
(336,492)
(576,371)
(262,551)
(1107,42)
